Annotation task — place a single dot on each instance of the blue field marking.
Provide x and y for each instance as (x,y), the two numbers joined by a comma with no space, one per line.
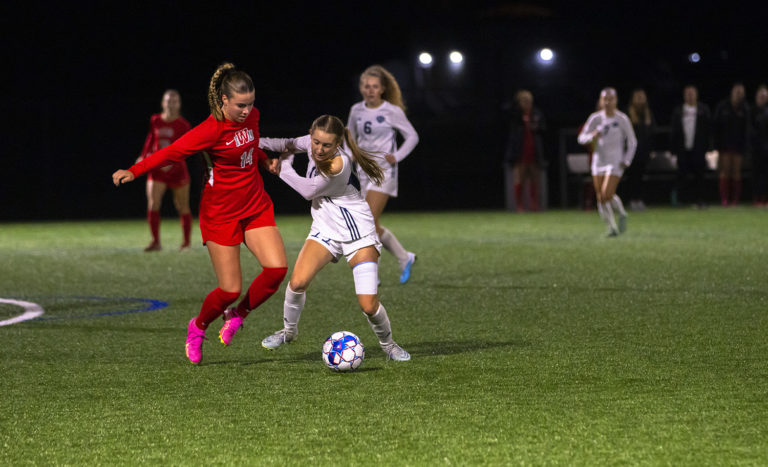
(142,305)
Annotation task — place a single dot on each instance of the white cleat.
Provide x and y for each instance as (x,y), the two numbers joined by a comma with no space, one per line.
(279,338)
(396,353)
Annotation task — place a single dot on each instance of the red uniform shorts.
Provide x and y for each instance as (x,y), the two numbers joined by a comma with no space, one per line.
(233,233)
(174,175)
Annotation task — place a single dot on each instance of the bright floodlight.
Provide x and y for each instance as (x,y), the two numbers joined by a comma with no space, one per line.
(456,57)
(546,55)
(425,59)
(694,58)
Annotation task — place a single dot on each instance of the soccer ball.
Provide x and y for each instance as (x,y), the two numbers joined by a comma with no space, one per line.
(343,351)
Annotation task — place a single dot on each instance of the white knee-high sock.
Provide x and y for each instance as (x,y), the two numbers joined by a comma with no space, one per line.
(292,306)
(606,213)
(380,324)
(618,205)
(392,245)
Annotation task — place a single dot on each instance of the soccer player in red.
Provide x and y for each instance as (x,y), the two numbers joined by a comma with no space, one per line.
(234,207)
(164,129)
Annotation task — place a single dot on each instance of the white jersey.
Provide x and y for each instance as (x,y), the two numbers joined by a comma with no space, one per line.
(375,131)
(339,211)
(616,143)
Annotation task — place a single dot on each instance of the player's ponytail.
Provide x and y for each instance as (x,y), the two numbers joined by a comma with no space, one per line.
(226,81)
(391,92)
(333,125)
(364,159)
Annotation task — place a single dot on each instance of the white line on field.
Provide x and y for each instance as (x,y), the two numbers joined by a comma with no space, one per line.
(31,311)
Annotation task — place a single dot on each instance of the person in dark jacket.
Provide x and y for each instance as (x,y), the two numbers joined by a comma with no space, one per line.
(524,158)
(760,146)
(731,136)
(639,113)
(691,138)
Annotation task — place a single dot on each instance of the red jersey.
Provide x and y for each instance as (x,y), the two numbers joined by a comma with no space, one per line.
(234,189)
(162,133)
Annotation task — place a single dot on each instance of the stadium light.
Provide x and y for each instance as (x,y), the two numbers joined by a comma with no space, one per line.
(694,57)
(456,61)
(545,56)
(425,60)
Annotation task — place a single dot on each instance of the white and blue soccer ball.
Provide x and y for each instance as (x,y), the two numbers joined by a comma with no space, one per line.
(343,351)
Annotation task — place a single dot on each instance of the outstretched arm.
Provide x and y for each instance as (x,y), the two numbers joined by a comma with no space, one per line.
(122,176)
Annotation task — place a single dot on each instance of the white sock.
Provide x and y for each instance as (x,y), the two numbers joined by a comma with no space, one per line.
(380,324)
(618,205)
(392,245)
(607,214)
(292,306)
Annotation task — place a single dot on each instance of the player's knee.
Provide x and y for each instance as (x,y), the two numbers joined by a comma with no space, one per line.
(299,285)
(369,304)
(231,289)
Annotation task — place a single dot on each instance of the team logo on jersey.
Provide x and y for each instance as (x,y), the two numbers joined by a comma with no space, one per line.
(380,118)
(242,137)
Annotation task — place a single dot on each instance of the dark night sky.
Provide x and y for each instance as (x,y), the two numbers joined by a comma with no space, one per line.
(85,77)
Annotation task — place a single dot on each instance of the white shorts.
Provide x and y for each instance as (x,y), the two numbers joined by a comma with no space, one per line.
(388,185)
(347,249)
(602,168)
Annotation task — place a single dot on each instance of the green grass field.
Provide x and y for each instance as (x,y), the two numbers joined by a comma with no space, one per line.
(535,341)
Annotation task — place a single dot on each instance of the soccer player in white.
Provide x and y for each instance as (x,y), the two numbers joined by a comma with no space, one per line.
(611,133)
(342,225)
(374,123)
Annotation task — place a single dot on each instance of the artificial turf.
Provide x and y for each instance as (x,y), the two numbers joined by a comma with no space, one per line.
(535,341)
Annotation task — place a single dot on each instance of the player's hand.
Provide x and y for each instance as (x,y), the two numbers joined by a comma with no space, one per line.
(122,176)
(273,166)
(391,159)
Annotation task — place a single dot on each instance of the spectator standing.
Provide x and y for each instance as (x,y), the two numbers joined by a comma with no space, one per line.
(644,125)
(691,138)
(731,136)
(524,158)
(760,146)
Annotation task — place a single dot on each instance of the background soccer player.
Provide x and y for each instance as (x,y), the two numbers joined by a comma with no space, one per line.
(374,123)
(165,128)
(611,132)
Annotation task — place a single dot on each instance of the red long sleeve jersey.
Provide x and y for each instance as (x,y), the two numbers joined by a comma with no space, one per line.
(162,133)
(234,189)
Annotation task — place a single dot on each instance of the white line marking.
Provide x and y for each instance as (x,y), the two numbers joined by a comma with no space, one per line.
(31,311)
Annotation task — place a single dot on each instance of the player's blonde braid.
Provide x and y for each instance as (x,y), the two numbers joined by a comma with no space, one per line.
(214,90)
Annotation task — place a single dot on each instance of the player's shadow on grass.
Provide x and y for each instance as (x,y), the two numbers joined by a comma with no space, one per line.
(66,324)
(428,349)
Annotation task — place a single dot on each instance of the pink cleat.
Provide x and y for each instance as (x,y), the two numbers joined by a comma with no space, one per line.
(232,323)
(195,337)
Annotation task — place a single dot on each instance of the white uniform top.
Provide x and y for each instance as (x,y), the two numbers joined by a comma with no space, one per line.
(339,211)
(375,131)
(616,143)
